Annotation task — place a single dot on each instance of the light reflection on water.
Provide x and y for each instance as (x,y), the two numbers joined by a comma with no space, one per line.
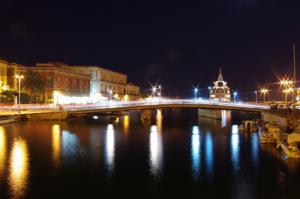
(209,155)
(158,153)
(225,118)
(56,144)
(18,168)
(2,151)
(196,152)
(235,147)
(255,148)
(70,145)
(156,149)
(110,147)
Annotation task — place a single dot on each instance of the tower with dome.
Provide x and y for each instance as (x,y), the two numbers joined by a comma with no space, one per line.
(220,91)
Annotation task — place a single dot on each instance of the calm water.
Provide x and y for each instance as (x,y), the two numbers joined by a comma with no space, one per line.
(175,154)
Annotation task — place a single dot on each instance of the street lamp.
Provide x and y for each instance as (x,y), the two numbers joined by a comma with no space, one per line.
(159,91)
(255,92)
(264,92)
(234,96)
(288,86)
(19,78)
(153,91)
(195,92)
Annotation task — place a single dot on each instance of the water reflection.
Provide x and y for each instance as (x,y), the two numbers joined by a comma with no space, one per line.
(19,168)
(209,154)
(56,144)
(159,120)
(196,151)
(70,144)
(254,148)
(225,118)
(126,123)
(156,146)
(235,147)
(110,147)
(2,151)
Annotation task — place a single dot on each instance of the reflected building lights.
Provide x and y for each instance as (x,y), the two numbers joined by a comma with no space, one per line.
(196,150)
(2,151)
(255,147)
(225,117)
(19,168)
(110,146)
(126,124)
(235,147)
(159,120)
(209,154)
(70,144)
(56,144)
(155,151)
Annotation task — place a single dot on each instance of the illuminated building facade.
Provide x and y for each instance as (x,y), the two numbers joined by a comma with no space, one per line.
(61,78)
(3,75)
(103,80)
(220,91)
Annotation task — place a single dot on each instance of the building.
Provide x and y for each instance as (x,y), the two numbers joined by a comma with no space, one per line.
(3,75)
(72,80)
(220,91)
(12,71)
(104,81)
(60,78)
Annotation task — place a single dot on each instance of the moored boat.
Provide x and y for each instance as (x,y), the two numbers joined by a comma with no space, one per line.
(6,119)
(265,136)
(248,125)
(292,147)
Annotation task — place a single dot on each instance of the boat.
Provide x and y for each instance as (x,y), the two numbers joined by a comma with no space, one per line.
(248,125)
(265,136)
(291,148)
(6,119)
(274,129)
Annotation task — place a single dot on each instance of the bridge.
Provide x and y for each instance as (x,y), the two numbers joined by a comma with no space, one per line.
(119,106)
(164,103)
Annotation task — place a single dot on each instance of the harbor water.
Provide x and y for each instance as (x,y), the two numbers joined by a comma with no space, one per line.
(175,153)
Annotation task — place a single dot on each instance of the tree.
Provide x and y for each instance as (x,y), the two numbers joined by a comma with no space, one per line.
(35,85)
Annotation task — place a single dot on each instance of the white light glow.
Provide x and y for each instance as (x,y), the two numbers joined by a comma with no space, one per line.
(110,147)
(155,151)
(235,147)
(196,151)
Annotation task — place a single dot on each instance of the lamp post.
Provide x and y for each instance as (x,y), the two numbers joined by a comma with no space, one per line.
(288,86)
(234,96)
(264,92)
(195,92)
(159,91)
(255,92)
(153,91)
(19,78)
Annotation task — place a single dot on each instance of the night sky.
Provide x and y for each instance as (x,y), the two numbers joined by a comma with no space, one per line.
(177,43)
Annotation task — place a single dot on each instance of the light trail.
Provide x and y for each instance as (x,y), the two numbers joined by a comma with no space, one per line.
(132,104)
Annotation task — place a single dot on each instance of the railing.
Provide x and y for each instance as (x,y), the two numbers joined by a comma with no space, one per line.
(131,104)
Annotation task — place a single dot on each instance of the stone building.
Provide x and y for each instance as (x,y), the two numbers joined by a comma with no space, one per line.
(61,78)
(3,75)
(220,91)
(103,81)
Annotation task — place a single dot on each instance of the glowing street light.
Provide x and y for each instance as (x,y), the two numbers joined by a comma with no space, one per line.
(195,92)
(154,90)
(288,86)
(19,78)
(159,91)
(234,96)
(264,91)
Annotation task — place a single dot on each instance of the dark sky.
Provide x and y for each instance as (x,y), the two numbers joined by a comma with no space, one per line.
(178,43)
